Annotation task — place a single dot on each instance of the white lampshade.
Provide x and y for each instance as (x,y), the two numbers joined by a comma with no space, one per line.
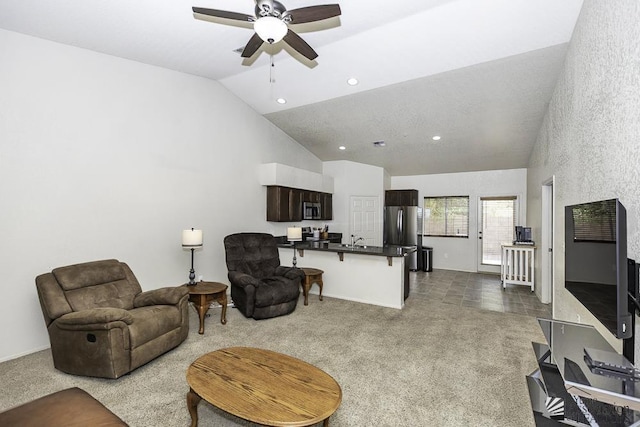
(270,29)
(191,238)
(294,234)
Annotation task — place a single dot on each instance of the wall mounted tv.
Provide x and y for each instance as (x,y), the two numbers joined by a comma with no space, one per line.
(596,270)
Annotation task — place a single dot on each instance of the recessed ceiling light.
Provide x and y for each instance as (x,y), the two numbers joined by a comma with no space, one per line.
(342,147)
(281,101)
(436,138)
(352,81)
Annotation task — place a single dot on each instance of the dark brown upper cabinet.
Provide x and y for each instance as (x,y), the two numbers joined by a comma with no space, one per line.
(284,204)
(326,203)
(401,198)
(310,196)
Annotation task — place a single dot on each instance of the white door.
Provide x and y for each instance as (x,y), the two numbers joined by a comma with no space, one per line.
(364,214)
(546,246)
(496,227)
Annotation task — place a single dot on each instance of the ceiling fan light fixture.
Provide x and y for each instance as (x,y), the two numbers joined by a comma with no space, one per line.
(270,29)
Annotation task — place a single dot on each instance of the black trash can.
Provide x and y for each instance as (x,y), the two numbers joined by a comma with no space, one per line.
(427,258)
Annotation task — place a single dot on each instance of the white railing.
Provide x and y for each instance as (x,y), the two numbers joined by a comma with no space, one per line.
(518,265)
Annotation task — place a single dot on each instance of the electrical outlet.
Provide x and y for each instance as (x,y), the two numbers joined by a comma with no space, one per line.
(578,318)
(200,278)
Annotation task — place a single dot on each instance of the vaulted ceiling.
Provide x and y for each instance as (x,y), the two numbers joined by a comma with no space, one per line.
(477,73)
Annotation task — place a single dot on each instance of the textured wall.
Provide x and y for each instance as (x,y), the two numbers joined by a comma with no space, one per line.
(590,138)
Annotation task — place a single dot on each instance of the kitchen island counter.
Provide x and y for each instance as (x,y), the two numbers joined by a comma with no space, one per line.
(368,274)
(388,251)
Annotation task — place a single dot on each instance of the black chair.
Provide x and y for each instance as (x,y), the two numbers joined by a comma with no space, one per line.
(260,287)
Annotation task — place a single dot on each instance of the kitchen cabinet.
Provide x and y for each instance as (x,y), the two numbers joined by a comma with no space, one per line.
(310,196)
(295,205)
(284,204)
(326,205)
(401,198)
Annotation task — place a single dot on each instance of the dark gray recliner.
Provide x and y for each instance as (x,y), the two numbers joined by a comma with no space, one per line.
(260,287)
(101,324)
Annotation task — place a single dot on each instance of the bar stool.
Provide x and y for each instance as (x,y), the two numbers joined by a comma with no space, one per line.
(311,276)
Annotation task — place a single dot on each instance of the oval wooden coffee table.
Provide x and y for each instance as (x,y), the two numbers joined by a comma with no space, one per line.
(263,387)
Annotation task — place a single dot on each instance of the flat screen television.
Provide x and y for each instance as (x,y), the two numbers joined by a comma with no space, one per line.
(596,270)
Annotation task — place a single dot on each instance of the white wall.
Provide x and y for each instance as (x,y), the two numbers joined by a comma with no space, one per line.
(460,253)
(590,137)
(353,179)
(102,157)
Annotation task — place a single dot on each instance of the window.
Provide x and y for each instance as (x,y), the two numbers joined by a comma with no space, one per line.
(446,216)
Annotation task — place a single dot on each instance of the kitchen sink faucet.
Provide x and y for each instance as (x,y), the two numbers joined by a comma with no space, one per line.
(355,240)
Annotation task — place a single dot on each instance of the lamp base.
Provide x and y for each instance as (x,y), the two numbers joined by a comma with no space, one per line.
(295,261)
(192,272)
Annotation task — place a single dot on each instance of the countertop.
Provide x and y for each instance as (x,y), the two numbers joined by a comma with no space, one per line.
(388,251)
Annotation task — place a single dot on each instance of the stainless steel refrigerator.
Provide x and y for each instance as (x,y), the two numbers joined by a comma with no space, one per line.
(401,228)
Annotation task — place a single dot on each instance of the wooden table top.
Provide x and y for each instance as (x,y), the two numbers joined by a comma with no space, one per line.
(308,271)
(201,288)
(265,387)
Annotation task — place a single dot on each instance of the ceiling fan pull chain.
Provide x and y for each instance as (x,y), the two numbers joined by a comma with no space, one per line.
(271,71)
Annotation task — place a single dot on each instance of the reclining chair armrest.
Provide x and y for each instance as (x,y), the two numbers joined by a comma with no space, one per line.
(162,296)
(242,279)
(88,319)
(289,272)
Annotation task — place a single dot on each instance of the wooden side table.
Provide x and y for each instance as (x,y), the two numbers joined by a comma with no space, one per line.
(311,276)
(202,294)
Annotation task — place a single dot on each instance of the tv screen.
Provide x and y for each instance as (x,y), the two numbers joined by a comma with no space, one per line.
(596,262)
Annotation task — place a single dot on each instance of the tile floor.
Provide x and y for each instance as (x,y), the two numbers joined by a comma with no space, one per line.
(478,290)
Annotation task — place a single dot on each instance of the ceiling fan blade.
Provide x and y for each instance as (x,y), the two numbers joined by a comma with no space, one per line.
(314,13)
(223,14)
(252,47)
(301,46)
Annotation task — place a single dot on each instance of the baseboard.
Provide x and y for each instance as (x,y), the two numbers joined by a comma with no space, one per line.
(358,300)
(15,356)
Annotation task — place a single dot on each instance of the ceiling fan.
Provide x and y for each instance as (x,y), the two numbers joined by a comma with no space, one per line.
(271,24)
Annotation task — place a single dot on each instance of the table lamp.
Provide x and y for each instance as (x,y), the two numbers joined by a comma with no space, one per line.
(294,234)
(192,239)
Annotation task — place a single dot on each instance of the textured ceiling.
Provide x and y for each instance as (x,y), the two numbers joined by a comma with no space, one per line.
(488,116)
(478,72)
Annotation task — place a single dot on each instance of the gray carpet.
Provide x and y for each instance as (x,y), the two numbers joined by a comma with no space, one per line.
(430,364)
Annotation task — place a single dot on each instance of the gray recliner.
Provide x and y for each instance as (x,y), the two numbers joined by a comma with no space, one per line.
(101,324)
(260,287)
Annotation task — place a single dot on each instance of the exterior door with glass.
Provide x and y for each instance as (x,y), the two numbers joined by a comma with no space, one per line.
(496,227)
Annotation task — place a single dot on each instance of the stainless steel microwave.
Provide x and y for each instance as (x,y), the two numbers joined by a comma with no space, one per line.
(311,210)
